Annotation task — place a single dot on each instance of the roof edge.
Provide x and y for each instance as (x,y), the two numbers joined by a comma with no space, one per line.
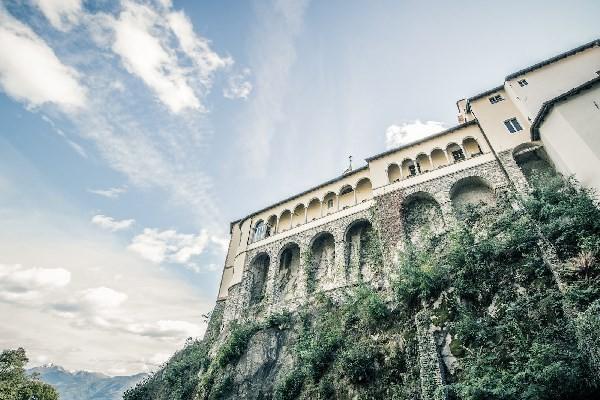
(404,146)
(549,105)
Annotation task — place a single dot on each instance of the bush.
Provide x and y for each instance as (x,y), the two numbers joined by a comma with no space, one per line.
(236,344)
(359,362)
(290,386)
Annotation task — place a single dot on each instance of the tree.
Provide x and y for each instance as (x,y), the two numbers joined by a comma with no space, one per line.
(14,382)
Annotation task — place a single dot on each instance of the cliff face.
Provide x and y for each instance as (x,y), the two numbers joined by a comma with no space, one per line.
(501,303)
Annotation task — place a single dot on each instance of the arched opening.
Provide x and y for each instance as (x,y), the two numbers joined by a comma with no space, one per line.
(408,168)
(422,217)
(455,152)
(299,215)
(533,161)
(285,221)
(260,231)
(438,158)
(272,225)
(472,191)
(287,274)
(329,203)
(393,173)
(364,190)
(360,246)
(322,271)
(346,198)
(313,211)
(259,270)
(423,163)
(471,147)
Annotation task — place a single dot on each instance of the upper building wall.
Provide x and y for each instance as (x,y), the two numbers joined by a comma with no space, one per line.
(552,79)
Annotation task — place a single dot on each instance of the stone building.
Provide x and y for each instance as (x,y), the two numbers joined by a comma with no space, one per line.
(545,114)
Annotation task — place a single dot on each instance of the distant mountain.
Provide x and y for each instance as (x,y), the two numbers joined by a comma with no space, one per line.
(83,385)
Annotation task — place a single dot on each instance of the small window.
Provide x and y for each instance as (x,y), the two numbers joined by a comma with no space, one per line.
(496,98)
(513,125)
(458,155)
(522,82)
(330,203)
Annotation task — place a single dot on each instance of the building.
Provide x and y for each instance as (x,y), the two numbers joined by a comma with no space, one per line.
(545,114)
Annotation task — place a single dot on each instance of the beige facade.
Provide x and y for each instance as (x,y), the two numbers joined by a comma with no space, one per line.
(496,122)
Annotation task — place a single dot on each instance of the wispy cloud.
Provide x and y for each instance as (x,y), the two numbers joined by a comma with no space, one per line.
(173,247)
(112,224)
(398,135)
(111,193)
(273,57)
(238,86)
(31,72)
(62,14)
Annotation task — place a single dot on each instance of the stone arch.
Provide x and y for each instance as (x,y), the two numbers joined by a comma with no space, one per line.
(532,160)
(299,215)
(439,158)
(258,272)
(471,146)
(330,203)
(359,240)
(408,168)
(423,163)
(455,152)
(313,210)
(364,190)
(471,191)
(287,273)
(322,268)
(422,216)
(285,221)
(393,173)
(346,198)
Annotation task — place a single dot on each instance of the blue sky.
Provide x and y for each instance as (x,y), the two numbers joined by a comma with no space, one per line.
(134,131)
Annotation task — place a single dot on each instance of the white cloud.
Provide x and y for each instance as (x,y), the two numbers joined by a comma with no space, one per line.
(142,41)
(18,284)
(101,298)
(111,193)
(112,224)
(166,329)
(77,147)
(31,72)
(173,247)
(398,135)
(238,87)
(61,13)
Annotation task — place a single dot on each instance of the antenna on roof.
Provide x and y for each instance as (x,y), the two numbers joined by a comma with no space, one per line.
(349,169)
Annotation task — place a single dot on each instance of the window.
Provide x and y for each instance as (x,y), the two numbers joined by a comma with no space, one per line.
(412,171)
(259,231)
(496,98)
(458,155)
(513,125)
(330,203)
(522,82)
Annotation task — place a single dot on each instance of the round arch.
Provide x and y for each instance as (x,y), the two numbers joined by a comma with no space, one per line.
(364,190)
(393,173)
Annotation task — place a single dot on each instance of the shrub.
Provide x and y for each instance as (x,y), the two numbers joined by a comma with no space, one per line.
(290,386)
(236,344)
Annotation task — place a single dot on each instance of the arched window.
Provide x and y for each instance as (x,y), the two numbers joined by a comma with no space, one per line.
(329,203)
(423,163)
(471,147)
(455,152)
(393,173)
(260,230)
(272,225)
(364,190)
(285,221)
(299,215)
(346,197)
(408,168)
(313,211)
(438,158)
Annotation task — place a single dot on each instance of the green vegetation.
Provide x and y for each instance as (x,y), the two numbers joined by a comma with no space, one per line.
(489,283)
(15,384)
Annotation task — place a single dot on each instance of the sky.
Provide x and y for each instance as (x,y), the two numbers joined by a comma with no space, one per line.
(133,131)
